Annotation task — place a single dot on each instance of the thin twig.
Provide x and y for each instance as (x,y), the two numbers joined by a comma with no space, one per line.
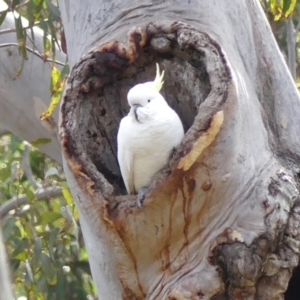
(27,168)
(15,202)
(33,52)
(16,7)
(21,4)
(10,30)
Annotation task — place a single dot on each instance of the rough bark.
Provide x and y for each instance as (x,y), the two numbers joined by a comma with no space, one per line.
(221,221)
(22,100)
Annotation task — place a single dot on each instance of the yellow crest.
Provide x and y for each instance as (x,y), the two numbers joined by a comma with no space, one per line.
(158,81)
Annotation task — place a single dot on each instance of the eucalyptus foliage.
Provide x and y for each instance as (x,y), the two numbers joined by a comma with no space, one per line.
(43,240)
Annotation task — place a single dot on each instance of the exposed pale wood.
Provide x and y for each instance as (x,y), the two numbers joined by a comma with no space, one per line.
(221,221)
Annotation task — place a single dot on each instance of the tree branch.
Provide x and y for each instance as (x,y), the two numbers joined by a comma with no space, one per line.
(14,202)
(9,30)
(23,100)
(33,52)
(16,7)
(21,4)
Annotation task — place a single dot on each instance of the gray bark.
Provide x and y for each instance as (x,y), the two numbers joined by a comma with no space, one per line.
(221,221)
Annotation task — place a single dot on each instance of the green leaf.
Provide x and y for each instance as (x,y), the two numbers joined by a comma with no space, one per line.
(20,252)
(37,251)
(21,37)
(55,75)
(8,228)
(30,13)
(54,40)
(48,217)
(288,7)
(40,141)
(276,8)
(2,16)
(15,3)
(282,8)
(47,43)
(83,265)
(15,144)
(20,69)
(14,264)
(65,70)
(52,241)
(67,195)
(64,184)
(48,269)
(56,86)
(37,163)
(60,286)
(28,230)
(53,11)
(5,172)
(29,194)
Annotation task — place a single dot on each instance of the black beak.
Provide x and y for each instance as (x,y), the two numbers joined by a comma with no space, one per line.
(135,107)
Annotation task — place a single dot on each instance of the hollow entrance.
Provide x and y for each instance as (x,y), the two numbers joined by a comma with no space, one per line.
(293,290)
(99,112)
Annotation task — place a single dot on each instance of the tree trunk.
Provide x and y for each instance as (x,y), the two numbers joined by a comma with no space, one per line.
(23,100)
(221,220)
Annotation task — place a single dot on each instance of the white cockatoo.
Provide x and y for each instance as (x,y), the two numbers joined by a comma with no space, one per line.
(147,135)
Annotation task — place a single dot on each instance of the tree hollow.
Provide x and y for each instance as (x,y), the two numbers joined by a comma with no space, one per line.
(96,93)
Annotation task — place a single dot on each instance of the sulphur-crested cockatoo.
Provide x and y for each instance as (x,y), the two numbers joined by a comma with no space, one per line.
(147,135)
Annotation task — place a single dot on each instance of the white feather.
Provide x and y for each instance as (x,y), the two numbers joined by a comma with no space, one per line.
(145,145)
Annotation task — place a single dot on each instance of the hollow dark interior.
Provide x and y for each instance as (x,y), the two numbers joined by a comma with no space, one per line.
(186,86)
(293,290)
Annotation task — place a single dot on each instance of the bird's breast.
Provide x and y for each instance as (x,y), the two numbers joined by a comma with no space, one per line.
(150,144)
(152,135)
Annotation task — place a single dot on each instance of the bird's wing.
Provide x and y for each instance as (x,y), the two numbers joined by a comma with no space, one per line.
(125,156)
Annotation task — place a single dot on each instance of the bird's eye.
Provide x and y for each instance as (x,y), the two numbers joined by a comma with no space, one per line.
(149,100)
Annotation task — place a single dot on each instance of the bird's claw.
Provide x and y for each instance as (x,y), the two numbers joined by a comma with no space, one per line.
(173,151)
(141,197)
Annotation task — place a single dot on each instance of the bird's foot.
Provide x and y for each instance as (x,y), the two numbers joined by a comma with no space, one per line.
(173,152)
(141,197)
